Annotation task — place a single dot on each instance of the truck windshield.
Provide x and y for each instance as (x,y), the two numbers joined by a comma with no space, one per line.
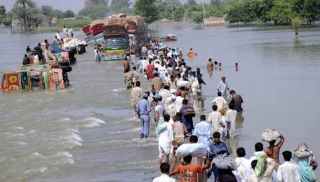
(115,43)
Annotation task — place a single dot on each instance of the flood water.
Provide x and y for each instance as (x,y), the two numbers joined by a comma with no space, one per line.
(85,133)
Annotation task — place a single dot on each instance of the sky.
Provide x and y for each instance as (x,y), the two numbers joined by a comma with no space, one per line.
(74,5)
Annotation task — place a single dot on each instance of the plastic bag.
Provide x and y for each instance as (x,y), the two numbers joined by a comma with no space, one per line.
(193,149)
(162,127)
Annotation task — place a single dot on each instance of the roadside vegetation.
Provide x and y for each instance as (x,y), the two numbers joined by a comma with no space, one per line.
(272,12)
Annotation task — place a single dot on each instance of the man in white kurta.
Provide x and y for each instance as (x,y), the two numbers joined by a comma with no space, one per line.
(244,169)
(214,119)
(165,139)
(223,87)
(203,131)
(232,114)
(288,171)
(178,102)
(219,101)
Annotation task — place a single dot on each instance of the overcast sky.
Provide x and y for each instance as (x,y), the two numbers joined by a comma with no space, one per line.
(74,5)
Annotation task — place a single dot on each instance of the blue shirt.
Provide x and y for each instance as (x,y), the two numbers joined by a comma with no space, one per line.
(218,148)
(143,107)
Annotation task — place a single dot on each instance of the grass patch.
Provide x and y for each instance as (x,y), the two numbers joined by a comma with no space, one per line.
(78,22)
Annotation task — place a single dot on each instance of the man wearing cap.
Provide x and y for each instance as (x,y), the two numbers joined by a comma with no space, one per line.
(143,110)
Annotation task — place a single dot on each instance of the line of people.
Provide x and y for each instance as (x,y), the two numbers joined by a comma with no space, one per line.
(173,102)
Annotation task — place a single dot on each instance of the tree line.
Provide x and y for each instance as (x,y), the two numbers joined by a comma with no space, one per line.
(274,11)
(30,15)
(243,11)
(295,12)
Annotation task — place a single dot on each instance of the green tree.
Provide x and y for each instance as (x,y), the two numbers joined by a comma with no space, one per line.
(191,3)
(171,10)
(197,16)
(92,3)
(120,6)
(48,12)
(68,14)
(296,22)
(215,2)
(58,13)
(281,12)
(242,12)
(27,13)
(95,8)
(2,10)
(311,10)
(4,18)
(147,9)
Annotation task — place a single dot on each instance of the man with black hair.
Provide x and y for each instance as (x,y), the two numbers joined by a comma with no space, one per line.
(244,169)
(164,92)
(258,147)
(288,171)
(203,131)
(187,171)
(164,168)
(165,138)
(186,115)
(253,177)
(26,60)
(193,139)
(236,100)
(135,75)
(219,101)
(217,147)
(214,119)
(156,82)
(143,110)
(136,95)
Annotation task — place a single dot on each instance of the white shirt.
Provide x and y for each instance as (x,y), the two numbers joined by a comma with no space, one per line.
(220,102)
(58,36)
(288,172)
(223,87)
(232,114)
(159,109)
(195,87)
(244,168)
(215,118)
(253,178)
(164,93)
(163,178)
(166,137)
(178,103)
(203,132)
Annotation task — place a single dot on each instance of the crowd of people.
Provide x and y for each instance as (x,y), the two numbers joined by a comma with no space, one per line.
(173,102)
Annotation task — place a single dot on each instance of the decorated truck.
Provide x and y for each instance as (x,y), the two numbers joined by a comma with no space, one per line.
(122,34)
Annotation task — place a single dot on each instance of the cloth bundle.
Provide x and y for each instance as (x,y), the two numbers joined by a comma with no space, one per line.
(270,135)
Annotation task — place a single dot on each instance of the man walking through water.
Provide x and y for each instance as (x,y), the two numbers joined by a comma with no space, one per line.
(223,87)
(143,110)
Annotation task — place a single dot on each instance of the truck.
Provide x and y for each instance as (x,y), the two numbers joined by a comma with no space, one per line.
(116,42)
(123,35)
